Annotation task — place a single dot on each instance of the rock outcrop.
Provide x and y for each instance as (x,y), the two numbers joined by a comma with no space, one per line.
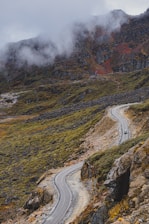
(37,198)
(127,200)
(129,177)
(119,176)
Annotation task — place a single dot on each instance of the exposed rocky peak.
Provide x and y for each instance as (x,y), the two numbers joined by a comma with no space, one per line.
(143,15)
(119,16)
(119,12)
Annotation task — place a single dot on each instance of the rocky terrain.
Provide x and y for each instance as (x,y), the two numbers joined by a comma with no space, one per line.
(128,177)
(129,97)
(123,173)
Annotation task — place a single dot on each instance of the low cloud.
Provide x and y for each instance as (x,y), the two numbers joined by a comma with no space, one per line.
(51,21)
(43,49)
(29,18)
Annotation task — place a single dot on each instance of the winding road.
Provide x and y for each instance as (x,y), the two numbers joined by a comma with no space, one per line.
(123,127)
(65,196)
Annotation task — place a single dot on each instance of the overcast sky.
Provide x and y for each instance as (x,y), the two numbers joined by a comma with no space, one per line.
(22,19)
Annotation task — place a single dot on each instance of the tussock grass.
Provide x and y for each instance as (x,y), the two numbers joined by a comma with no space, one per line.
(143,107)
(29,149)
(132,80)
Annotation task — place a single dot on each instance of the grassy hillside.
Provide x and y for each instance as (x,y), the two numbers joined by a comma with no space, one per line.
(31,146)
(103,161)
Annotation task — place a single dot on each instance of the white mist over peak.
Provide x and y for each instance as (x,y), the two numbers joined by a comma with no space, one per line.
(111,21)
(53,22)
(29,18)
(43,49)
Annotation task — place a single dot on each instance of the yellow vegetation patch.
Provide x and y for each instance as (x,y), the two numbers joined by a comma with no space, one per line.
(31,219)
(6,207)
(117,210)
(3,130)
(2,133)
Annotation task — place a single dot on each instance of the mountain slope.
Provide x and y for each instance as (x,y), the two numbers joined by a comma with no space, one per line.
(96,51)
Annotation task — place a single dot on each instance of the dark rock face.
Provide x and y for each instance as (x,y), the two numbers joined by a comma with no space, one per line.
(98,217)
(118,177)
(122,186)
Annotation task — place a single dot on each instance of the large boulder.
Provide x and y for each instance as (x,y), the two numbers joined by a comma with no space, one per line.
(37,198)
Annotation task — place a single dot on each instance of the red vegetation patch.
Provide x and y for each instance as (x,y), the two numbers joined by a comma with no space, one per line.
(100,70)
(107,65)
(123,48)
(104,68)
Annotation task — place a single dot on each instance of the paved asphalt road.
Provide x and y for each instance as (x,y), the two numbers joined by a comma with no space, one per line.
(65,195)
(124,132)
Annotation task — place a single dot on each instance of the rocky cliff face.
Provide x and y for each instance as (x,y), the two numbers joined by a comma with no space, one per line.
(129,177)
(127,200)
